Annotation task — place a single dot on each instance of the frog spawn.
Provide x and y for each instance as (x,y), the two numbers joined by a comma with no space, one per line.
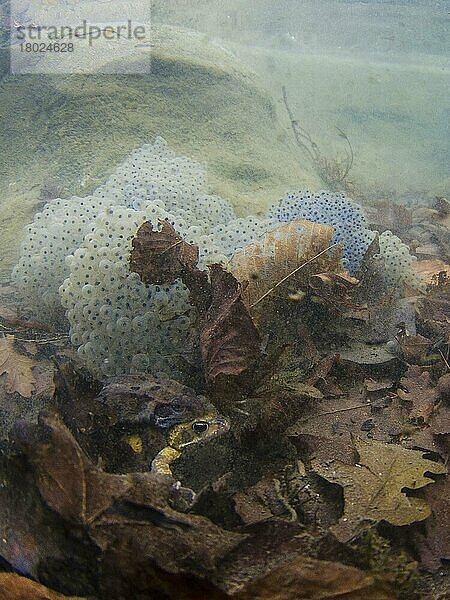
(118,324)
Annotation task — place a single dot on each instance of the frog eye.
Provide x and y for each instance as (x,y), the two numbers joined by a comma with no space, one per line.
(200,427)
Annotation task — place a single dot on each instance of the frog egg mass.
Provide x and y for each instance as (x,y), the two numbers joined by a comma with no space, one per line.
(75,256)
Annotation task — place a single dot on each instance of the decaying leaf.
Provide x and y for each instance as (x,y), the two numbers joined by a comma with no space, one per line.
(263,501)
(414,348)
(374,488)
(432,271)
(16,368)
(15,587)
(306,578)
(66,478)
(376,385)
(366,354)
(434,543)
(283,250)
(334,289)
(229,340)
(160,257)
(417,389)
(434,309)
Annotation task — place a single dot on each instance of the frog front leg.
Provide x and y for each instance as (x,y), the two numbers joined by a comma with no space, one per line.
(162,461)
(181,498)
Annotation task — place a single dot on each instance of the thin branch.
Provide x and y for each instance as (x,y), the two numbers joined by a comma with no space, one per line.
(351,155)
(444,359)
(296,270)
(171,247)
(300,133)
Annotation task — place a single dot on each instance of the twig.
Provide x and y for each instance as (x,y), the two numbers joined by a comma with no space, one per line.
(296,270)
(44,340)
(351,156)
(170,247)
(444,359)
(329,171)
(300,133)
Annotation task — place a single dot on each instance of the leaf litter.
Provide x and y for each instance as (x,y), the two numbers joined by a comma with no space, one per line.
(332,438)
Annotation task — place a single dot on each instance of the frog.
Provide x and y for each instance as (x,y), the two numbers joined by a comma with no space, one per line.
(139,421)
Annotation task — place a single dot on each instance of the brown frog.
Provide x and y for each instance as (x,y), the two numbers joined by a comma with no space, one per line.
(139,421)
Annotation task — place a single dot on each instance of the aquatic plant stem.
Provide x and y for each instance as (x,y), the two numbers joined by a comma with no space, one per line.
(296,270)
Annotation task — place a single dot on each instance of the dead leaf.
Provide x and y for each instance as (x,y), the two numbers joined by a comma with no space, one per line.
(414,348)
(229,340)
(160,257)
(326,430)
(334,290)
(377,385)
(17,368)
(365,354)
(374,488)
(417,389)
(263,501)
(306,579)
(15,587)
(434,310)
(429,270)
(44,373)
(443,387)
(66,478)
(265,264)
(322,369)
(434,543)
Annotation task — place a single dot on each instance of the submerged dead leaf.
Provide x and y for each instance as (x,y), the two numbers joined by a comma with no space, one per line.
(306,578)
(414,348)
(334,289)
(66,478)
(16,587)
(431,271)
(417,389)
(161,257)
(16,368)
(374,488)
(281,251)
(263,501)
(433,544)
(229,340)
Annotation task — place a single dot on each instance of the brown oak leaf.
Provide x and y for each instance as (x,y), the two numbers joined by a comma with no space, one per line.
(434,543)
(374,488)
(417,389)
(17,368)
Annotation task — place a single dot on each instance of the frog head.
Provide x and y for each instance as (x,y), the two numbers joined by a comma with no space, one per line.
(198,430)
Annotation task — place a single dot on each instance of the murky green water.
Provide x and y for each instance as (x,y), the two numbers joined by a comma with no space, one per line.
(224,307)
